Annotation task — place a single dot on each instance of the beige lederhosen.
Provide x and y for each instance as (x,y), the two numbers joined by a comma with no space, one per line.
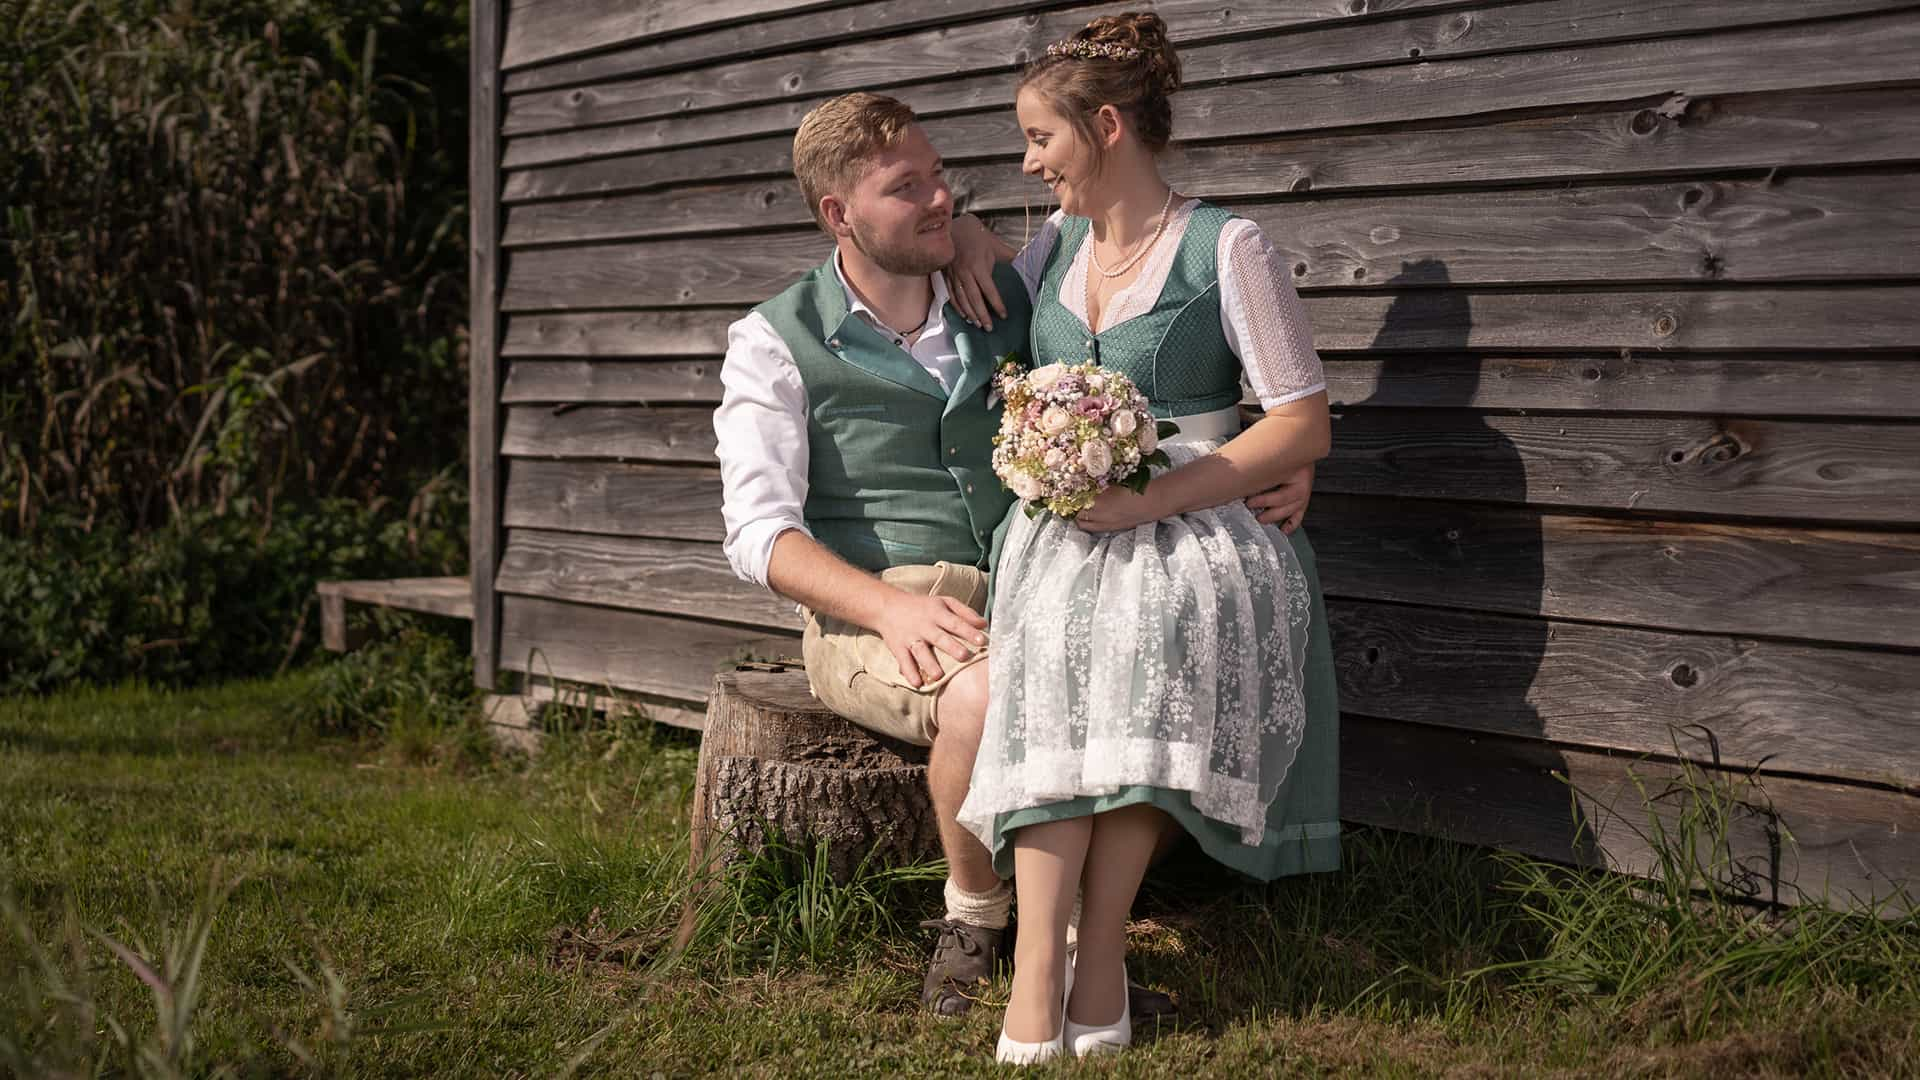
(853,672)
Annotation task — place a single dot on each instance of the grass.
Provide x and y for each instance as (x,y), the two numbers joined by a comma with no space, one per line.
(294,877)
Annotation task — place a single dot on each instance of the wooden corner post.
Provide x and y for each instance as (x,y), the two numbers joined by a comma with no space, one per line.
(483,339)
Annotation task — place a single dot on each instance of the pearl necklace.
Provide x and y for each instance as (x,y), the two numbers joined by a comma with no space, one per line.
(1094,256)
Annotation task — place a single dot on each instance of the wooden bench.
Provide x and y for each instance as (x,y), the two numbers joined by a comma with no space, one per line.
(450,596)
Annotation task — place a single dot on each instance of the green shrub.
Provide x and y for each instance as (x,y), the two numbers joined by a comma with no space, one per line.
(209,596)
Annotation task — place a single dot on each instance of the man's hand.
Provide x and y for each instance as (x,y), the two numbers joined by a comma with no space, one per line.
(970,274)
(914,626)
(1286,505)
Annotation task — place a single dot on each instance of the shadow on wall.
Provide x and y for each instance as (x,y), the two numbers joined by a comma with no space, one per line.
(1416,438)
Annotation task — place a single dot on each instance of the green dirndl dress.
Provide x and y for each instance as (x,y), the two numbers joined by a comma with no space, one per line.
(1185,663)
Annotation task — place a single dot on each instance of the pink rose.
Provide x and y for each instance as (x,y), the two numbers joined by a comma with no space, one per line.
(1124,422)
(1055,420)
(1097,457)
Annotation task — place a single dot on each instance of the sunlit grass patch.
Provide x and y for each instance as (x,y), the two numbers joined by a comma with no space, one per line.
(461,912)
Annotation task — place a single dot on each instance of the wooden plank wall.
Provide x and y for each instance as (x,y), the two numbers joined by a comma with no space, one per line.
(1620,303)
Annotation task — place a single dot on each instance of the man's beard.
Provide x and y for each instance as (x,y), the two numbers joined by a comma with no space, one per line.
(902,260)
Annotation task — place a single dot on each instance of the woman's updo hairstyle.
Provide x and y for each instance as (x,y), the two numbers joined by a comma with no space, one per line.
(1120,60)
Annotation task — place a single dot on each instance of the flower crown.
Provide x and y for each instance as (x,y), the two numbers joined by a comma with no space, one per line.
(1081,49)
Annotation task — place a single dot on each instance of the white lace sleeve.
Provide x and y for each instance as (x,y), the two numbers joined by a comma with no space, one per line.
(1031,263)
(1265,322)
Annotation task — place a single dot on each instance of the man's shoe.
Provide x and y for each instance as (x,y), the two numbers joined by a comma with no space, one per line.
(1143,1002)
(964,958)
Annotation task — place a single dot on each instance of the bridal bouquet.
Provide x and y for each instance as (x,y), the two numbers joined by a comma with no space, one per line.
(1070,431)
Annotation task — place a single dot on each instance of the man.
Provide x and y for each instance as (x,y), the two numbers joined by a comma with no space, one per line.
(855,446)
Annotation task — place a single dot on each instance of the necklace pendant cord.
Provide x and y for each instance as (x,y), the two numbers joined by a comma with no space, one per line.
(1093,255)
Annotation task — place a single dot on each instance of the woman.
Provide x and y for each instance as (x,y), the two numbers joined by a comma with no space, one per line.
(1162,658)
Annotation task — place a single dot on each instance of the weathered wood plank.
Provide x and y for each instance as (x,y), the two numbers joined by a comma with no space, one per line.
(1801,229)
(628,333)
(1863,226)
(483,331)
(1807,385)
(839,27)
(621,381)
(1860,52)
(1653,319)
(1755,468)
(1430,320)
(667,577)
(1693,134)
(1838,843)
(617,433)
(1812,710)
(604,497)
(547,29)
(1811,385)
(997,46)
(1002,45)
(1862,473)
(1852,586)
(653,654)
(1732,132)
(1805,229)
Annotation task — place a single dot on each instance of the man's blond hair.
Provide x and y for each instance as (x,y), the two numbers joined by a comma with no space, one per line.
(839,139)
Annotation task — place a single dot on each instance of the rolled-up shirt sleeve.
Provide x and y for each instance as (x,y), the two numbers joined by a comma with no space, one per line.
(761,427)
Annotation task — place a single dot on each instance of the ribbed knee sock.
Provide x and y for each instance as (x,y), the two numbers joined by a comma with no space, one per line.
(988,909)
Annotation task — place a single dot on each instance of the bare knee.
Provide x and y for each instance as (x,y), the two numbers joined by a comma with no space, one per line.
(962,711)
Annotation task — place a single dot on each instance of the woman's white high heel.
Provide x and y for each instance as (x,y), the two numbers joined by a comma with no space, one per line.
(1086,1040)
(1011,1052)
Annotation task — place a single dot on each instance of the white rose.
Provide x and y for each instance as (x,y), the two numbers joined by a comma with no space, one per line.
(1024,485)
(1124,422)
(1097,457)
(1056,419)
(1149,436)
(1055,457)
(1043,378)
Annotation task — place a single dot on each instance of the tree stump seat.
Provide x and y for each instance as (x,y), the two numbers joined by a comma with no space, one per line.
(774,762)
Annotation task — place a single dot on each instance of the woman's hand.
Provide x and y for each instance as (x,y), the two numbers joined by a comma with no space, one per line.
(970,274)
(1119,507)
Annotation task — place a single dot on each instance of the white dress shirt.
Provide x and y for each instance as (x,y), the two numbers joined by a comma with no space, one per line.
(761,423)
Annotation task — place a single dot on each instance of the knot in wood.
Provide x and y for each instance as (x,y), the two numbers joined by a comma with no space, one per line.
(1683,675)
(1722,448)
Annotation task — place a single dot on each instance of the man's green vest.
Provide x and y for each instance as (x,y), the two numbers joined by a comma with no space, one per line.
(899,471)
